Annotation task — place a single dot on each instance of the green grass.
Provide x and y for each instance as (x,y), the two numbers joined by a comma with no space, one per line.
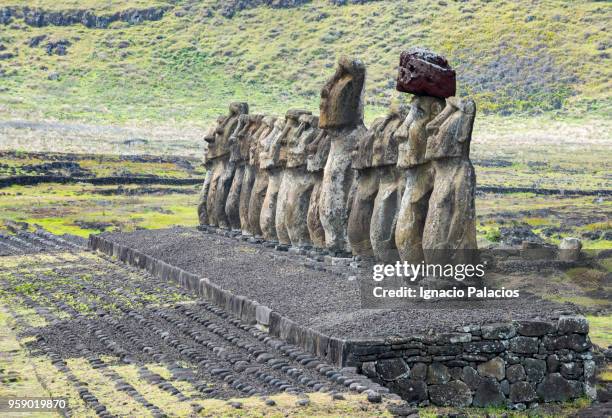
(512,57)
(601,330)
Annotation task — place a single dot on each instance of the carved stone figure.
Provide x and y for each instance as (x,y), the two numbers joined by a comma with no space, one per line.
(318,152)
(358,231)
(202,212)
(297,184)
(414,205)
(222,171)
(291,131)
(450,229)
(250,169)
(269,160)
(342,116)
(239,153)
(390,188)
(260,186)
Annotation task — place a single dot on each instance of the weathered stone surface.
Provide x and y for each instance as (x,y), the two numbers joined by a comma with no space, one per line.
(342,96)
(437,373)
(534,328)
(555,388)
(495,368)
(489,393)
(471,377)
(522,392)
(392,369)
(498,331)
(419,371)
(569,249)
(571,370)
(573,325)
(425,73)
(534,369)
(574,342)
(368,368)
(455,393)
(524,345)
(413,391)
(515,373)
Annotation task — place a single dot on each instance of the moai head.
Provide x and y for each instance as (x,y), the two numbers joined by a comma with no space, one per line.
(362,155)
(268,157)
(451,131)
(385,146)
(226,126)
(298,144)
(256,144)
(425,73)
(211,137)
(342,96)
(238,137)
(412,134)
(317,151)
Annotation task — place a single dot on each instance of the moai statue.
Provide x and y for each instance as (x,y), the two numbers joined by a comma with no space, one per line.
(222,171)
(250,170)
(202,212)
(239,154)
(366,189)
(260,186)
(269,160)
(315,164)
(298,182)
(390,187)
(342,117)
(293,128)
(418,177)
(450,229)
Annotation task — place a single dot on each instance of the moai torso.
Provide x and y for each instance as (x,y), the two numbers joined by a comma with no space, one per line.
(390,188)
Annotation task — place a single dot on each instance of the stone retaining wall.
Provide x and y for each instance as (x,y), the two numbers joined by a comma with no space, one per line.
(515,364)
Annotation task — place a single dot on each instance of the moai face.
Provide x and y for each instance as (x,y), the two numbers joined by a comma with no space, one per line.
(256,145)
(451,131)
(238,136)
(267,156)
(385,146)
(412,134)
(225,128)
(362,155)
(342,96)
(211,137)
(297,145)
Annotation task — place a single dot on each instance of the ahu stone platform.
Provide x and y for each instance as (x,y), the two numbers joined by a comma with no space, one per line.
(486,353)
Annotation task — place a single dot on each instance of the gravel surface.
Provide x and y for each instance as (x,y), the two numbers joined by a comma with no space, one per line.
(312,293)
(108,313)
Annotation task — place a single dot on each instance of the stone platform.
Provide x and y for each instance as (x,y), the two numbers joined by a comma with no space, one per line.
(486,353)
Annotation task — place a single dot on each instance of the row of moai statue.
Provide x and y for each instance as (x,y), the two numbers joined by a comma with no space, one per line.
(401,190)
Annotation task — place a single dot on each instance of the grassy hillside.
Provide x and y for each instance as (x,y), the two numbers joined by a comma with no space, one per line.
(519,57)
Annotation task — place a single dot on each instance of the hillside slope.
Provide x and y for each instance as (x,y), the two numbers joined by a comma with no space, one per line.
(119,61)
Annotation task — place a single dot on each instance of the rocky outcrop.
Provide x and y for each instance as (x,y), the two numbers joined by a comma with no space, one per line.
(40,17)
